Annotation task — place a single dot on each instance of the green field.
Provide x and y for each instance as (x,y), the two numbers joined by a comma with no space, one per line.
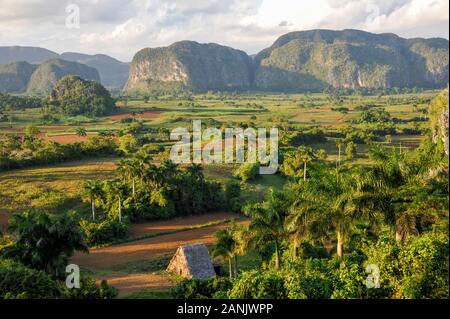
(57,188)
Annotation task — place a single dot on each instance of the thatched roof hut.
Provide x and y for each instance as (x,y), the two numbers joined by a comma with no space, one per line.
(192,262)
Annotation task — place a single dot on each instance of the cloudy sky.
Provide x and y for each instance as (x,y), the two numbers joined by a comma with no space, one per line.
(120,27)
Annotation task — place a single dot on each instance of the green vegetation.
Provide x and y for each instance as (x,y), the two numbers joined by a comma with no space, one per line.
(14,77)
(33,266)
(189,65)
(318,59)
(74,96)
(16,152)
(348,194)
(48,73)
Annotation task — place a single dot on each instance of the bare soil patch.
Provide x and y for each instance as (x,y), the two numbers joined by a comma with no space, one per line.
(146,249)
(4,220)
(177,223)
(127,284)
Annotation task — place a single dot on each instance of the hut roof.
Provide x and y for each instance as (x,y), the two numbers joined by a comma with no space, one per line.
(192,261)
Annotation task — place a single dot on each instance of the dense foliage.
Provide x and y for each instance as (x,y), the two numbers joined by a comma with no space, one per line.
(12,102)
(43,241)
(20,282)
(30,150)
(74,96)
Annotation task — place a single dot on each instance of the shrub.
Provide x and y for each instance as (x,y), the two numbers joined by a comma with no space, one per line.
(103,232)
(309,279)
(232,195)
(247,172)
(19,281)
(89,290)
(259,285)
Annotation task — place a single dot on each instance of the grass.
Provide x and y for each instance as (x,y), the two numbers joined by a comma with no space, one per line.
(20,189)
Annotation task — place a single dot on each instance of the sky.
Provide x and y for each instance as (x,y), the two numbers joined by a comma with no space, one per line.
(122,27)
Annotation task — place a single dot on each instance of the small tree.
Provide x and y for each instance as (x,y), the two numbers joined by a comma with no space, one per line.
(91,191)
(247,172)
(45,241)
(350,150)
(339,144)
(226,247)
(81,131)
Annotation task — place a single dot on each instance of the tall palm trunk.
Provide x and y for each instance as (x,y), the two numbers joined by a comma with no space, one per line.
(304,171)
(235,266)
(120,209)
(277,255)
(339,156)
(399,234)
(295,249)
(93,208)
(133,185)
(230,268)
(340,244)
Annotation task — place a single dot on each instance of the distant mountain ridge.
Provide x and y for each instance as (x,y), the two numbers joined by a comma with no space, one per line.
(14,77)
(296,62)
(314,60)
(48,73)
(33,55)
(188,65)
(113,73)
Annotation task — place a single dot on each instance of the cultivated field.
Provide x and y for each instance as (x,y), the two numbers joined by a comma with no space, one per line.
(126,265)
(137,266)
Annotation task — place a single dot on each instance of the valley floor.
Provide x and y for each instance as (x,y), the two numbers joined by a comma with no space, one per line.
(140,265)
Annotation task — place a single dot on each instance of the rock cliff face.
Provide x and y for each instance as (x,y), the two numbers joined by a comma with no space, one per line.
(439,119)
(314,60)
(14,77)
(47,74)
(189,65)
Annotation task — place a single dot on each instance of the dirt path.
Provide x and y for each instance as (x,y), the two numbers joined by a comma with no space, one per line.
(4,220)
(146,249)
(177,223)
(127,284)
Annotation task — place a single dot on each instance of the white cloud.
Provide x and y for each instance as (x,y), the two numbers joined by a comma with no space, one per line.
(120,28)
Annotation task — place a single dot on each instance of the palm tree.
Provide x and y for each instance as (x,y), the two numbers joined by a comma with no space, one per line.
(44,241)
(305,220)
(117,190)
(325,204)
(339,144)
(267,223)
(196,171)
(81,131)
(226,247)
(92,190)
(387,188)
(305,154)
(341,218)
(131,170)
(154,176)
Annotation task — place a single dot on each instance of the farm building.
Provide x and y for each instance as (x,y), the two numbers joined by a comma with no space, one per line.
(192,262)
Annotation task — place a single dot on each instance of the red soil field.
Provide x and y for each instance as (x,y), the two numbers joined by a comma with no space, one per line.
(145,249)
(127,284)
(4,217)
(177,223)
